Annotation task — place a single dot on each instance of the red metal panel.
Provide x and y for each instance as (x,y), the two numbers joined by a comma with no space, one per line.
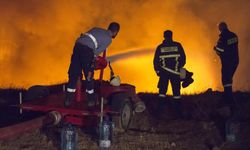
(79,109)
(78,94)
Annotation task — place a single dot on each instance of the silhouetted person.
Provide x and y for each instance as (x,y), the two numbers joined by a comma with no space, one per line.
(87,47)
(169,58)
(227,50)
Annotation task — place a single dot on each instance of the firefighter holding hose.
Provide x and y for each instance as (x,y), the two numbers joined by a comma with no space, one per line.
(87,47)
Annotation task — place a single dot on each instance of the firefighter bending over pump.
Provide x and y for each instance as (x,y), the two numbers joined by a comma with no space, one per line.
(87,47)
(169,59)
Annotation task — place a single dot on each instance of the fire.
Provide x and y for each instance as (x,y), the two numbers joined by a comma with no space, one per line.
(38,38)
(138,70)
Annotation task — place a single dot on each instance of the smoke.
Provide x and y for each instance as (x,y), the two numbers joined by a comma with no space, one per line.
(37,37)
(236,16)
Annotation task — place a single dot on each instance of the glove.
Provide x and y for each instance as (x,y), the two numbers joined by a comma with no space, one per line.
(215,48)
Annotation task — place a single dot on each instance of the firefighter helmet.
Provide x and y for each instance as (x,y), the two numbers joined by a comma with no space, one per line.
(222,26)
(168,34)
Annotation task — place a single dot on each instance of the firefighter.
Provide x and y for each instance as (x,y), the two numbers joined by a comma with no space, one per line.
(169,58)
(87,47)
(227,49)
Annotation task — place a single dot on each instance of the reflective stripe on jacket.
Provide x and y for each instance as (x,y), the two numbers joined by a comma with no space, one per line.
(169,56)
(227,47)
(97,39)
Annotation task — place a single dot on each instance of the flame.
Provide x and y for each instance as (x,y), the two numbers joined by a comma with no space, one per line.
(37,37)
(138,69)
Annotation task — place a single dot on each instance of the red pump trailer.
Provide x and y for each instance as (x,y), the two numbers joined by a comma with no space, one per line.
(119,102)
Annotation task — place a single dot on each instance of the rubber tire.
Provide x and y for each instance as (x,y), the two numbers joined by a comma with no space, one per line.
(122,104)
(126,113)
(36,92)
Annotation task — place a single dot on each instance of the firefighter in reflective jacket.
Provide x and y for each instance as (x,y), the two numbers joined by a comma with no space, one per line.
(227,49)
(87,47)
(169,58)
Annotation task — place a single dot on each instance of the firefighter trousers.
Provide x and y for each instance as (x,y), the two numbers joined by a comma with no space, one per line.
(227,72)
(81,59)
(174,79)
(165,78)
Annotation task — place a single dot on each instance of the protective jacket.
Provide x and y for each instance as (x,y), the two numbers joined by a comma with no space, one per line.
(227,48)
(169,56)
(97,39)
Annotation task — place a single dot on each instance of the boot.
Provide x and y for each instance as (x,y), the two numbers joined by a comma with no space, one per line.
(69,97)
(92,99)
(229,99)
(177,105)
(160,107)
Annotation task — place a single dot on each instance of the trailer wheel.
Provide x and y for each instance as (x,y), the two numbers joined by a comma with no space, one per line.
(36,92)
(126,115)
(122,104)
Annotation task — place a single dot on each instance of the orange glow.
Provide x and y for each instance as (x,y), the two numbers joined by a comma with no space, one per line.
(138,70)
(42,35)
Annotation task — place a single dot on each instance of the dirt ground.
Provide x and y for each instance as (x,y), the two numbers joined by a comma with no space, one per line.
(201,130)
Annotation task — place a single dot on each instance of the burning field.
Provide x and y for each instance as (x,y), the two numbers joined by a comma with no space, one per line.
(36,41)
(37,37)
(202,129)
